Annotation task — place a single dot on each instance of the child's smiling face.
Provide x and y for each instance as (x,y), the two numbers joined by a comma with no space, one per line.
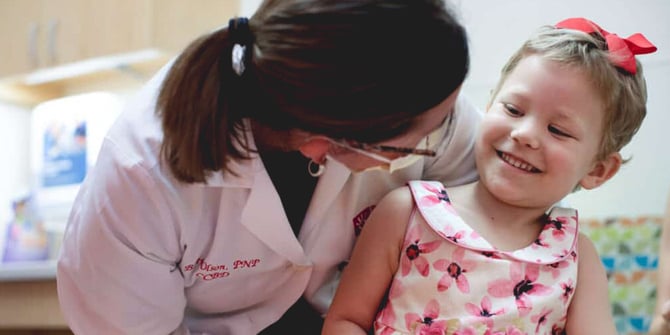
(540,135)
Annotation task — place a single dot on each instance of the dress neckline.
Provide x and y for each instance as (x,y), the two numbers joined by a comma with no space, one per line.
(555,242)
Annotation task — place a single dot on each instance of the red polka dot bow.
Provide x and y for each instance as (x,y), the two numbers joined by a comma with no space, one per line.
(622,50)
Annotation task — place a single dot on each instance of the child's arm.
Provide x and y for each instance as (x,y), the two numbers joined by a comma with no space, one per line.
(590,311)
(660,325)
(373,263)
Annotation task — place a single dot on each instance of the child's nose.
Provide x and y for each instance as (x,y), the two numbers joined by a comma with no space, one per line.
(525,133)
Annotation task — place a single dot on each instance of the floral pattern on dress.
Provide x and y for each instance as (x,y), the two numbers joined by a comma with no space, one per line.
(484,311)
(456,270)
(428,322)
(474,288)
(435,195)
(387,315)
(414,252)
(521,284)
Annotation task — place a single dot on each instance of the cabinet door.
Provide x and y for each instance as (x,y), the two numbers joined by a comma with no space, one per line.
(43,33)
(81,29)
(19,36)
(62,28)
(178,22)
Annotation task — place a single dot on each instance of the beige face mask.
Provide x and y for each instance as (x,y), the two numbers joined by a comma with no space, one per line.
(392,165)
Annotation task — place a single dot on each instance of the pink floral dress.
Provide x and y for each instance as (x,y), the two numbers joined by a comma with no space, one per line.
(452,281)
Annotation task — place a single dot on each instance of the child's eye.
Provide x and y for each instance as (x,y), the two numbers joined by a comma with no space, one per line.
(512,110)
(558,132)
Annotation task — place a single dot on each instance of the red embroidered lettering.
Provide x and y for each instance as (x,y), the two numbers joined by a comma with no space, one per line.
(245,263)
(207,271)
(211,267)
(211,276)
(360,218)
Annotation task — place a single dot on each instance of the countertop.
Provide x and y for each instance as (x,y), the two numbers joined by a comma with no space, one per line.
(28,271)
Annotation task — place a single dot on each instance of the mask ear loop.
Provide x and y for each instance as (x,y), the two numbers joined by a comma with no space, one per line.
(315,169)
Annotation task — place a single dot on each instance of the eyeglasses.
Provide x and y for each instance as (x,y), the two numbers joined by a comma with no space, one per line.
(389,148)
(436,135)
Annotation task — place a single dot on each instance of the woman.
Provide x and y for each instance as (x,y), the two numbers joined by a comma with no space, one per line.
(228,193)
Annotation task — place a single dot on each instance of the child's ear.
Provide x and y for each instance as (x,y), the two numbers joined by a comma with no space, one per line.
(602,171)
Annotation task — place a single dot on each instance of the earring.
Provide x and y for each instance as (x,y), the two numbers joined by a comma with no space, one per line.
(315,169)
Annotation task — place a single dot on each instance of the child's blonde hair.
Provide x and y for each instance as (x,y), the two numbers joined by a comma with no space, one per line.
(624,94)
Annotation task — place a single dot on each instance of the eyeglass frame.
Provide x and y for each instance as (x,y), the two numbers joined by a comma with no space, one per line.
(387,148)
(395,149)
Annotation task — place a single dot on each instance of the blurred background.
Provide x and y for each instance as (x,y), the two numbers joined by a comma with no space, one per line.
(68,66)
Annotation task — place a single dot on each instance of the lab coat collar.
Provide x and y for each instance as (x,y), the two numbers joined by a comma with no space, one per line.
(327,189)
(263,214)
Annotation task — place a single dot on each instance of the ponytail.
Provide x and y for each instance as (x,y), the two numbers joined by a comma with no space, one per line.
(198,110)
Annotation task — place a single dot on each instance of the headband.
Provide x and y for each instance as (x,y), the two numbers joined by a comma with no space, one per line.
(241,36)
(622,50)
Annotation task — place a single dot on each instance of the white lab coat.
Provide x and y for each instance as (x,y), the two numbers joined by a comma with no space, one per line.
(144,254)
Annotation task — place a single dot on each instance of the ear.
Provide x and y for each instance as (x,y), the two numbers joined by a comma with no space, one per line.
(315,149)
(602,171)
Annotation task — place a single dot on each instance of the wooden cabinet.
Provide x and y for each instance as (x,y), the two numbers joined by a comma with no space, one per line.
(175,23)
(19,32)
(43,33)
(35,34)
(82,29)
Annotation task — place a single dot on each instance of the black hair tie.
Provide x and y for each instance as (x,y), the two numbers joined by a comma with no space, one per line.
(239,31)
(242,39)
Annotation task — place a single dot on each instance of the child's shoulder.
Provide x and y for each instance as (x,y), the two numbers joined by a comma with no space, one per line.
(398,204)
(391,214)
(399,197)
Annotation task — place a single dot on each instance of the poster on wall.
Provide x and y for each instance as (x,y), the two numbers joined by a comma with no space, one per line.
(66,135)
(64,154)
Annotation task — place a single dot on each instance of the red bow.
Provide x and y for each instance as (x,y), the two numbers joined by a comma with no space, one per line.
(622,50)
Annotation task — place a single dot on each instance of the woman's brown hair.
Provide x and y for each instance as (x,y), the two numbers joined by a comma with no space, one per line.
(355,69)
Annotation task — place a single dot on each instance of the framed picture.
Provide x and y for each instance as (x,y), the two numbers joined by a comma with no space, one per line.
(66,135)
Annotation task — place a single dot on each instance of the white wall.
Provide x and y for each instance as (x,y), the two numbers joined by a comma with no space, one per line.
(14,153)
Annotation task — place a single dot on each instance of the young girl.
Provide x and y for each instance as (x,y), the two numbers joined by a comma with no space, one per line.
(492,257)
